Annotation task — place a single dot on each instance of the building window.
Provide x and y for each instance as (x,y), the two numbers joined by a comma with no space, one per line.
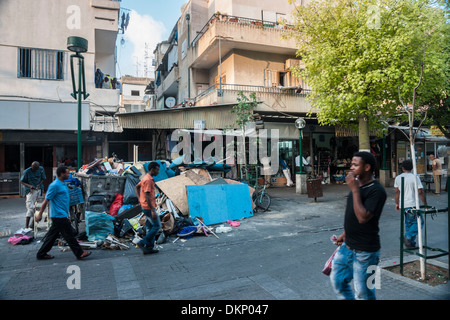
(40,64)
(135,93)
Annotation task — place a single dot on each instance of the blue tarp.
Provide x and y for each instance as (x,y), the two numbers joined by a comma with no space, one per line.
(98,225)
(219,203)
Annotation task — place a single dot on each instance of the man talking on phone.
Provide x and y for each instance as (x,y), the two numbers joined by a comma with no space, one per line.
(360,242)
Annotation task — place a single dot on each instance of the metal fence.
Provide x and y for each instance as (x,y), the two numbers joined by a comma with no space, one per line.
(41,64)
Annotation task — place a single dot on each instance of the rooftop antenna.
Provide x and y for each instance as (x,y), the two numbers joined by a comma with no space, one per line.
(137,64)
(146,57)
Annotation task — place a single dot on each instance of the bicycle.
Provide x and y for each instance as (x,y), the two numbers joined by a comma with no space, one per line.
(261,198)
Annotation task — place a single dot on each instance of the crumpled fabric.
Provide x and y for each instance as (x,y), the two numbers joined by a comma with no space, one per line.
(233,223)
(20,240)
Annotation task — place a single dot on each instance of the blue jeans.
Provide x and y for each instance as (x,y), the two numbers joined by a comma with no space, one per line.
(411,228)
(152,227)
(351,264)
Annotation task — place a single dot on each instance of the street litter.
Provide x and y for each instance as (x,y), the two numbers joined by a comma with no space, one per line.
(112,242)
(190,199)
(23,239)
(233,223)
(223,229)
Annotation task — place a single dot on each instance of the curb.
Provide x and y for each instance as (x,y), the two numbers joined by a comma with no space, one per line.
(441,291)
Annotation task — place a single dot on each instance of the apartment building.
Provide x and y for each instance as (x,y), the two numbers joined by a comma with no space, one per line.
(38,115)
(138,94)
(215,50)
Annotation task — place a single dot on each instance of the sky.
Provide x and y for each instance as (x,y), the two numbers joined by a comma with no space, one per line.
(151,22)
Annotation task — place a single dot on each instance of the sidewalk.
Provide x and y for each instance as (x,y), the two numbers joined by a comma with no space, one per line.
(276,255)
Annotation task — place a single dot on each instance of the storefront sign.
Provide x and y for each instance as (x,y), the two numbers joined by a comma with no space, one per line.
(436,132)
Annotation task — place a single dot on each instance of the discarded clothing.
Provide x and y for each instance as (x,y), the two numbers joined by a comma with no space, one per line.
(187,232)
(20,240)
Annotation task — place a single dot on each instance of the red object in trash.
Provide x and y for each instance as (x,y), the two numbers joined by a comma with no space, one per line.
(329,264)
(115,206)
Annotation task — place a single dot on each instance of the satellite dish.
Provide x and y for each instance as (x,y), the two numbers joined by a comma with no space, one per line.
(442,151)
(300,123)
(170,102)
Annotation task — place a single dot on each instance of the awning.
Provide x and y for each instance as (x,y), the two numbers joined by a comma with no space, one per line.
(424,134)
(215,117)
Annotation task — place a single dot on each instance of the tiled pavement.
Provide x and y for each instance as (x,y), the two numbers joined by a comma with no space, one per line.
(276,255)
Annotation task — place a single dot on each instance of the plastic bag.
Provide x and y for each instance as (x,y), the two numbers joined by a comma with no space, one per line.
(167,222)
(125,207)
(116,205)
(328,265)
(98,225)
(129,194)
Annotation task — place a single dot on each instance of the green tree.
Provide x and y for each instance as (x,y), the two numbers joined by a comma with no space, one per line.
(244,115)
(438,105)
(359,55)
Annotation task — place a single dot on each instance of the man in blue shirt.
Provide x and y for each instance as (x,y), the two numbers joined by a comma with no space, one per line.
(286,171)
(32,179)
(58,195)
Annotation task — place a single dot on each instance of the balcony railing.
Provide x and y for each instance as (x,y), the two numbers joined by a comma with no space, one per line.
(289,91)
(238,20)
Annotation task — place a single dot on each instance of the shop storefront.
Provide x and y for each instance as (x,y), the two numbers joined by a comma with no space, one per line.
(18,149)
(425,146)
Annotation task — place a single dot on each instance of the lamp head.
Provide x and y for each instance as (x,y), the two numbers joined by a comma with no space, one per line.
(77,44)
(300,123)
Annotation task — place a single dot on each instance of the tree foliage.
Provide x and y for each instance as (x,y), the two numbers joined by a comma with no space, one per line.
(244,109)
(359,55)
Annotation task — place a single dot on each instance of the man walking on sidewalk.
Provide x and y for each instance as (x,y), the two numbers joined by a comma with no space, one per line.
(145,191)
(409,199)
(58,195)
(360,242)
(33,179)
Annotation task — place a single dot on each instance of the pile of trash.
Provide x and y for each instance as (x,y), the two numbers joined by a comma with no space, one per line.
(189,201)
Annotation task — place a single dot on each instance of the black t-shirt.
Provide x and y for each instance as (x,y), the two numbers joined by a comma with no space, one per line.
(364,236)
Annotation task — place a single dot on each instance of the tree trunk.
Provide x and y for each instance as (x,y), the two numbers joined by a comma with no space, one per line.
(363,133)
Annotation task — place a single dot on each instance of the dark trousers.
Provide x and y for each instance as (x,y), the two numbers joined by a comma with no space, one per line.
(60,225)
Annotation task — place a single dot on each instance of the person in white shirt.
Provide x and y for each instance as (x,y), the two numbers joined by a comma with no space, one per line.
(306,163)
(409,201)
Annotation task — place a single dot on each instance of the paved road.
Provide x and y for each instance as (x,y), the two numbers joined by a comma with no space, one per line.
(277,255)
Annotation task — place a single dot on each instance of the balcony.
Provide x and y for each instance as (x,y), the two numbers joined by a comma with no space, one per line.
(238,33)
(104,99)
(169,86)
(272,98)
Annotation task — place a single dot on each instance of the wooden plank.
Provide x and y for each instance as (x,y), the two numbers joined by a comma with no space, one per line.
(199,179)
(175,189)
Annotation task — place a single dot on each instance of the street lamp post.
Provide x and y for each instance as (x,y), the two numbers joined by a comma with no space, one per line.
(300,124)
(78,45)
(300,177)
